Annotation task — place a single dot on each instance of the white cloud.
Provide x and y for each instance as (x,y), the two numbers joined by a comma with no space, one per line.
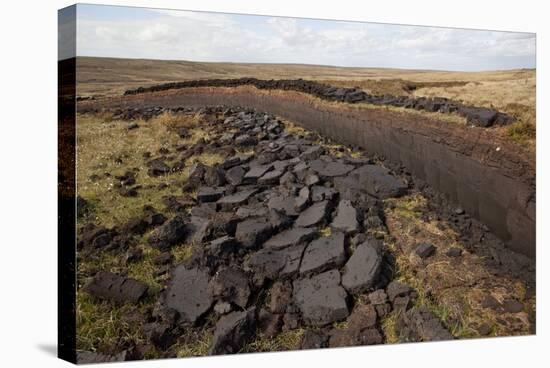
(223,37)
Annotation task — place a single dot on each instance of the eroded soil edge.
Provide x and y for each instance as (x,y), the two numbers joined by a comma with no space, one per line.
(493,180)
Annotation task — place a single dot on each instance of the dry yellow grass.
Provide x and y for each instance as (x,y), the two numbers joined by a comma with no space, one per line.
(511,91)
(452,290)
(173,120)
(112,76)
(497,94)
(101,142)
(286,340)
(199,347)
(101,324)
(514,95)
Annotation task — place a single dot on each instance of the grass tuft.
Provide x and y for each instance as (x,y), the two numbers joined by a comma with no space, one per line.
(144,269)
(522,133)
(182,253)
(388,324)
(199,347)
(102,325)
(287,340)
(208,159)
(325,232)
(177,120)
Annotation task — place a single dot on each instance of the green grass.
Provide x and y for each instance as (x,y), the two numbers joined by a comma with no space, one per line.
(409,206)
(182,253)
(208,159)
(458,328)
(101,142)
(326,232)
(287,340)
(99,145)
(144,269)
(342,325)
(101,324)
(451,291)
(521,132)
(199,347)
(388,324)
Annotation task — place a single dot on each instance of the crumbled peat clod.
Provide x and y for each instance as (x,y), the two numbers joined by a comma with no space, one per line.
(324,253)
(421,325)
(346,218)
(232,331)
(107,285)
(170,233)
(454,252)
(363,268)
(321,298)
(425,250)
(187,292)
(290,237)
(313,215)
(279,240)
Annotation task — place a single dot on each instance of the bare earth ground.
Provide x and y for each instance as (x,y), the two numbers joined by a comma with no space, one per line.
(469,295)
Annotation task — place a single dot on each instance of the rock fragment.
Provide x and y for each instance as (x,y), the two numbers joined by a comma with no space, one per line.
(346,218)
(231,201)
(170,233)
(253,232)
(107,285)
(233,331)
(255,173)
(373,180)
(420,324)
(280,296)
(271,177)
(321,299)
(362,270)
(454,252)
(313,215)
(187,292)
(231,284)
(424,250)
(295,235)
(330,169)
(324,253)
(314,340)
(209,194)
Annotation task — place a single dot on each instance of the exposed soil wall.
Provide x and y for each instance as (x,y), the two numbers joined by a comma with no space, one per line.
(478,116)
(491,179)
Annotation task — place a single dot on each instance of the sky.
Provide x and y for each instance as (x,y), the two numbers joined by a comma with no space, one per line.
(126,32)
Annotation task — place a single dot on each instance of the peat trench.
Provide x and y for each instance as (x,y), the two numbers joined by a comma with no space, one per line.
(492,180)
(287,235)
(478,116)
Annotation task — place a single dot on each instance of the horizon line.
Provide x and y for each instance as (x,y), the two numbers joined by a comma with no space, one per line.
(297,64)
